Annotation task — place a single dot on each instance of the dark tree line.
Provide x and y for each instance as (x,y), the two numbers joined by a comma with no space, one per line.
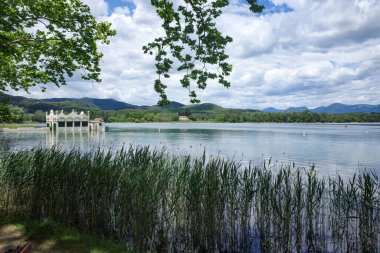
(19,115)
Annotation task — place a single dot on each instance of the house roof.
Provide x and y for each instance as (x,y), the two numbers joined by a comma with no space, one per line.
(97,120)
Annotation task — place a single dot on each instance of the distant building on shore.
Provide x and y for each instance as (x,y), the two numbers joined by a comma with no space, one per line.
(73,121)
(184,115)
(183,118)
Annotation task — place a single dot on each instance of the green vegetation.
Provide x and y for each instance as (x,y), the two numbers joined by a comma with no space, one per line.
(5,114)
(295,117)
(14,126)
(192,40)
(155,202)
(200,113)
(46,41)
(49,236)
(18,115)
(219,114)
(33,110)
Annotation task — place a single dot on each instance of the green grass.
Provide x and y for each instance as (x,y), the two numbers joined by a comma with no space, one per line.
(150,201)
(45,232)
(14,126)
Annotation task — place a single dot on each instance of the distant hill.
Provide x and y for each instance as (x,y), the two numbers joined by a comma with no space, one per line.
(101,104)
(342,108)
(296,109)
(271,109)
(83,104)
(172,107)
(332,109)
(31,105)
(174,104)
(206,107)
(57,99)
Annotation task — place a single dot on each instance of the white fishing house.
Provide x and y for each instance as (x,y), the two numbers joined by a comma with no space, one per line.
(73,121)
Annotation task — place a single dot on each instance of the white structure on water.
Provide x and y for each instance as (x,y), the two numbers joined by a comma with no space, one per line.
(73,121)
(96,125)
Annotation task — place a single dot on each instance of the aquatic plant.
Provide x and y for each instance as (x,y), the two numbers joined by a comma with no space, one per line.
(155,202)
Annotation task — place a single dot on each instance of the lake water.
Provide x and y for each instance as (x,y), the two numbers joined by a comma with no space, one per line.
(331,148)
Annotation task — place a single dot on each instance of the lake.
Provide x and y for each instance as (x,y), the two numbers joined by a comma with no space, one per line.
(332,148)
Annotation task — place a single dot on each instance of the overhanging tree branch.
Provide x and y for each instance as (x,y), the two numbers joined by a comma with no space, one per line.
(30,55)
(194,42)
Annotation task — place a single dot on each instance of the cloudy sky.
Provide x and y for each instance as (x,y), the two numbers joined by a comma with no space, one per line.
(297,53)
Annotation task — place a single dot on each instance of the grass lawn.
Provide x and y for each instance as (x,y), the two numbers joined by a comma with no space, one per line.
(11,126)
(48,236)
(14,126)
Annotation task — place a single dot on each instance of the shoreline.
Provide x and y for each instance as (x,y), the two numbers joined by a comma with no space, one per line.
(23,129)
(28,128)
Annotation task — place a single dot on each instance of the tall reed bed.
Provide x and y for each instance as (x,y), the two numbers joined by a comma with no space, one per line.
(155,202)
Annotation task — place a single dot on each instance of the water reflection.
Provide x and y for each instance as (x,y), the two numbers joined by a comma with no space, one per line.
(82,140)
(330,147)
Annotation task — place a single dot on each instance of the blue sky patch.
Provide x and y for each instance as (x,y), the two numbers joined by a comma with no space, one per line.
(112,4)
(352,65)
(271,8)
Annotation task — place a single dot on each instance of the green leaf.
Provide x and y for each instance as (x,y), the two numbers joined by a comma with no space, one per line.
(192,41)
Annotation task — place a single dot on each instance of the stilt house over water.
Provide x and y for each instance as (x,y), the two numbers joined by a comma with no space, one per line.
(73,121)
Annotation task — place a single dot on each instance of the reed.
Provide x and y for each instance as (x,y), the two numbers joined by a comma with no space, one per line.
(151,201)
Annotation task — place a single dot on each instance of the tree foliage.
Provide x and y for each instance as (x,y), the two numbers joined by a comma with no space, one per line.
(46,41)
(193,43)
(5,114)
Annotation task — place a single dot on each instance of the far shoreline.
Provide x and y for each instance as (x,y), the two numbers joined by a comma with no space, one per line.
(36,127)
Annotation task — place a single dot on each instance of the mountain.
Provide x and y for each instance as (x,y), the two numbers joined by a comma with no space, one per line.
(172,107)
(205,107)
(296,109)
(332,109)
(342,108)
(32,105)
(271,109)
(57,99)
(290,109)
(101,104)
(174,104)
(84,104)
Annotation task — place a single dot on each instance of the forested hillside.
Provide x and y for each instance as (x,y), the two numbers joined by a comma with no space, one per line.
(33,110)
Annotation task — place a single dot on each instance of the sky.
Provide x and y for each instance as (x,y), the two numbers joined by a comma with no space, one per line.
(297,53)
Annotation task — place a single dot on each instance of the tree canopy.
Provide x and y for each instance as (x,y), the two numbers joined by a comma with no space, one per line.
(193,43)
(5,113)
(47,41)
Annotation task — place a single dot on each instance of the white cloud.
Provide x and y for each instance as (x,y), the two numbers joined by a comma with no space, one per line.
(98,7)
(320,53)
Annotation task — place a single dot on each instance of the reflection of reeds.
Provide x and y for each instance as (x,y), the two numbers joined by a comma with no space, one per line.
(154,202)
